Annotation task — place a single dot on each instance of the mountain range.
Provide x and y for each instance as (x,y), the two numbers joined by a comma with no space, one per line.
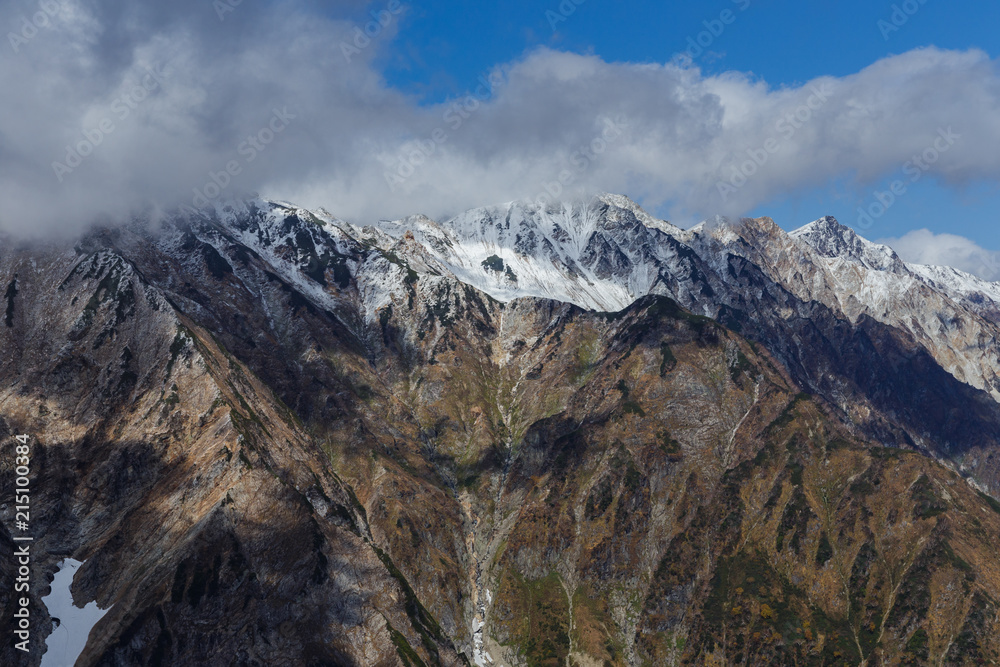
(567,434)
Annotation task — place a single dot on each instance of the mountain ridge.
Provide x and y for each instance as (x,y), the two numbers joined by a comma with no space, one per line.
(749,274)
(555,246)
(294,438)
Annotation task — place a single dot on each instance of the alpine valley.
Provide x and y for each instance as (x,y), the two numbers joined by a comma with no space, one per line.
(530,435)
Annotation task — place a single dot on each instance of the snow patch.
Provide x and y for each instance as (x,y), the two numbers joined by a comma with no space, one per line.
(72,624)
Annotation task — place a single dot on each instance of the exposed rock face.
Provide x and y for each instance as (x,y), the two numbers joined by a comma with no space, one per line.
(875,336)
(206,513)
(278,439)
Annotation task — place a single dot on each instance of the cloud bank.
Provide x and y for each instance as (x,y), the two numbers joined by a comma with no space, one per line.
(922,246)
(112,107)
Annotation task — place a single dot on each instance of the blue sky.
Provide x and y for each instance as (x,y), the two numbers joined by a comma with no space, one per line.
(443,48)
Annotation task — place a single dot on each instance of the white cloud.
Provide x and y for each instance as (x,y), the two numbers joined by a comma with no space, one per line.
(679,132)
(922,246)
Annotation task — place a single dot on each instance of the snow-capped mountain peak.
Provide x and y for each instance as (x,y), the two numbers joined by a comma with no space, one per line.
(605,253)
(600,254)
(831,239)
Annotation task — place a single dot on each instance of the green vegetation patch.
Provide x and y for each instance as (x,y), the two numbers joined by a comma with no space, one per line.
(917,646)
(991,501)
(423,622)
(787,415)
(539,623)
(742,365)
(180,341)
(406,653)
(629,405)
(670,446)
(927,504)
(794,520)
(766,619)
(668,361)
(825,550)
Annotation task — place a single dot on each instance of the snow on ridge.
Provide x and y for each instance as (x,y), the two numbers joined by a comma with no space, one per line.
(831,239)
(821,225)
(520,250)
(543,250)
(827,234)
(466,230)
(625,203)
(956,281)
(605,253)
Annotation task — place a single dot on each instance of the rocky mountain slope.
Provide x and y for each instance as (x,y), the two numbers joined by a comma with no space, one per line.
(523,437)
(851,320)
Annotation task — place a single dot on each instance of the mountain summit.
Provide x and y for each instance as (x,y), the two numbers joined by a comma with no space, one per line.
(831,239)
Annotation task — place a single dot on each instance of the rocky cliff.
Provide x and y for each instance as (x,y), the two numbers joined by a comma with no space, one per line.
(522,437)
